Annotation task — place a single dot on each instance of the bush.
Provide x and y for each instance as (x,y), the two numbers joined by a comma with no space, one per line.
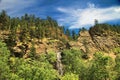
(70,76)
(116,50)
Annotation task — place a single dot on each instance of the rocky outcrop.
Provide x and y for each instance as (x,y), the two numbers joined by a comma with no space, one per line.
(86,42)
(106,43)
(41,46)
(91,43)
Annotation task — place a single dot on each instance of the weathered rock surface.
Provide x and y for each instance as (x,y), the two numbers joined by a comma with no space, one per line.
(92,43)
(42,46)
(84,43)
(105,43)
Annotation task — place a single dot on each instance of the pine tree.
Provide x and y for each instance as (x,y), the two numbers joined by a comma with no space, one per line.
(32,53)
(4,20)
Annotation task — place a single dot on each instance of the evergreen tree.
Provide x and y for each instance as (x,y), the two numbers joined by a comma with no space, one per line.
(32,53)
(74,35)
(96,21)
(4,20)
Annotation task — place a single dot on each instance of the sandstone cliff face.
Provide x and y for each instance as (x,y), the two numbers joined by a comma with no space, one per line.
(86,43)
(92,43)
(105,43)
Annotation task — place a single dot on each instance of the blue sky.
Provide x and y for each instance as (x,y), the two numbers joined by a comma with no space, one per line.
(71,13)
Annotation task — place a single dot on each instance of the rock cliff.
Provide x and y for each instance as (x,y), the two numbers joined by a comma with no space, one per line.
(91,43)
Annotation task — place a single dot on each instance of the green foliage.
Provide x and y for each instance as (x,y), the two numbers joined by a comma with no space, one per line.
(29,26)
(72,61)
(11,41)
(70,76)
(117,66)
(101,68)
(4,58)
(67,32)
(35,70)
(24,34)
(116,50)
(83,29)
(4,20)
(69,54)
(32,53)
(102,29)
(25,69)
(74,35)
(51,57)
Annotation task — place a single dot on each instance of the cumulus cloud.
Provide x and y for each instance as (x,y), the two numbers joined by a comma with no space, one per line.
(14,6)
(77,18)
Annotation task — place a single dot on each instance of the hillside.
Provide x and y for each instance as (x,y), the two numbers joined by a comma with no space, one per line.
(22,32)
(39,49)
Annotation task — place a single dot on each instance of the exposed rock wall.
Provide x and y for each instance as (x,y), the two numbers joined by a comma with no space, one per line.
(105,43)
(87,45)
(92,43)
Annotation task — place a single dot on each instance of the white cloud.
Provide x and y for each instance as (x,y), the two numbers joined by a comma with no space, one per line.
(14,6)
(117,9)
(91,5)
(78,18)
